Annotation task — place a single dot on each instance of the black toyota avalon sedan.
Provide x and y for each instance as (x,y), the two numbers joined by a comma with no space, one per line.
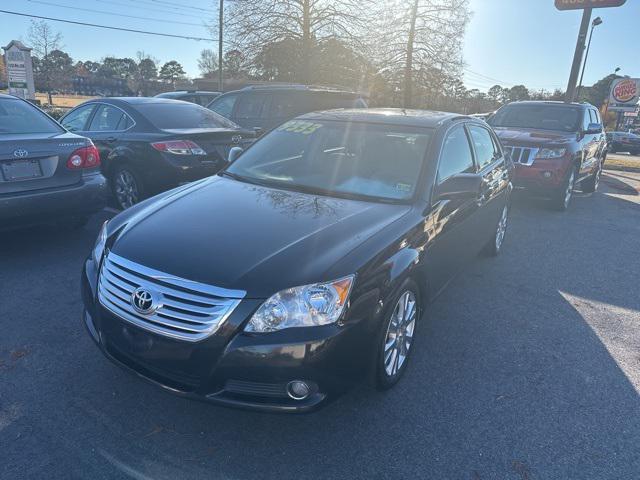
(47,175)
(149,145)
(304,264)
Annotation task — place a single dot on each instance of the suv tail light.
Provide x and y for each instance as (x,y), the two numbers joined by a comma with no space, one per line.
(85,157)
(179,147)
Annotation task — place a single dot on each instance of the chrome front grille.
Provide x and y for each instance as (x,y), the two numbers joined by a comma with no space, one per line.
(182,309)
(522,155)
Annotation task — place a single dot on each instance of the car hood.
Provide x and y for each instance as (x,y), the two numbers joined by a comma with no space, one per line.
(241,236)
(533,138)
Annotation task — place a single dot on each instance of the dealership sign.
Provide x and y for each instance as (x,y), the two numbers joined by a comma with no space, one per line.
(17,59)
(625,94)
(580,4)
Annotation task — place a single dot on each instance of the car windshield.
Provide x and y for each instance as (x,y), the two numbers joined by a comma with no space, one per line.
(543,117)
(182,115)
(338,158)
(17,116)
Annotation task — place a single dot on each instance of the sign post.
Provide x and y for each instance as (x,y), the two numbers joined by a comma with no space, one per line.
(587,6)
(17,59)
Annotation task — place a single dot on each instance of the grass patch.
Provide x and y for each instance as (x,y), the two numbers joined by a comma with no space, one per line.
(618,162)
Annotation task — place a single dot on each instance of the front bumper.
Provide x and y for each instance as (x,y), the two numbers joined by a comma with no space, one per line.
(50,205)
(543,176)
(230,367)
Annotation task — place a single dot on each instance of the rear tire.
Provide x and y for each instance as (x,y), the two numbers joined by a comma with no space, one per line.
(562,197)
(127,186)
(395,344)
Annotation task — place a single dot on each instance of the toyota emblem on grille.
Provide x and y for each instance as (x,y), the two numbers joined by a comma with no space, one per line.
(143,301)
(20,153)
(236,139)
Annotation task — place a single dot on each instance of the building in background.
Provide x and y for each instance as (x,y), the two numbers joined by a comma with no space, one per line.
(19,67)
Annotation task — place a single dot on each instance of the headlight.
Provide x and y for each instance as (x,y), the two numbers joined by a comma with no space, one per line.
(551,152)
(306,306)
(101,242)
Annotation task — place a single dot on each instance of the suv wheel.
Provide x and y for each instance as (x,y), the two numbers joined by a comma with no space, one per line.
(562,197)
(126,186)
(398,336)
(590,185)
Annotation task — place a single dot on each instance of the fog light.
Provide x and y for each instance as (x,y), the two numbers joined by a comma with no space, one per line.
(298,390)
(547,174)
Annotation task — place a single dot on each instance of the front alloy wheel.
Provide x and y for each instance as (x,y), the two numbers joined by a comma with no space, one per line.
(398,337)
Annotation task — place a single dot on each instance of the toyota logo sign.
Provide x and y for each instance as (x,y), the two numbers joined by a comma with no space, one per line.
(144,301)
(20,153)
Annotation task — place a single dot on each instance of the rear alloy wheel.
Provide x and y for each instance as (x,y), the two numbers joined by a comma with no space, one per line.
(590,185)
(563,196)
(494,246)
(127,188)
(399,329)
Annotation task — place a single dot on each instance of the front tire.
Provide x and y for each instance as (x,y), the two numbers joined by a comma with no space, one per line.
(127,186)
(590,185)
(396,342)
(562,197)
(494,247)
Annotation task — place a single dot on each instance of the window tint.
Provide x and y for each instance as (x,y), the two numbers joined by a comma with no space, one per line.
(224,105)
(456,154)
(77,120)
(108,119)
(483,145)
(17,116)
(179,115)
(250,106)
(542,116)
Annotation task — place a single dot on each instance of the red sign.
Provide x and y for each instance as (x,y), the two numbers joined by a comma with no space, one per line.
(625,90)
(579,4)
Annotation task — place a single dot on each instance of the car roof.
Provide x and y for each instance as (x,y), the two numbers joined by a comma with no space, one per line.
(4,95)
(389,116)
(551,102)
(187,92)
(297,88)
(135,100)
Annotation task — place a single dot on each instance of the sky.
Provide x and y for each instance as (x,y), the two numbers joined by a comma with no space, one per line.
(507,42)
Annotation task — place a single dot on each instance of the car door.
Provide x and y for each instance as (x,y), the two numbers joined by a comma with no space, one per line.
(590,144)
(494,170)
(107,129)
(601,138)
(450,218)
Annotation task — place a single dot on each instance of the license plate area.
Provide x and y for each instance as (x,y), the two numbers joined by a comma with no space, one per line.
(16,170)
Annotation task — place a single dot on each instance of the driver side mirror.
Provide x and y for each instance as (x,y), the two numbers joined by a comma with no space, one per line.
(234,153)
(593,128)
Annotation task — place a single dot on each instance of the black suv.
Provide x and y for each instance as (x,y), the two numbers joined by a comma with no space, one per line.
(265,107)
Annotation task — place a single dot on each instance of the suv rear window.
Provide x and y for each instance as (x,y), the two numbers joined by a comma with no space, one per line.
(543,117)
(17,116)
(175,116)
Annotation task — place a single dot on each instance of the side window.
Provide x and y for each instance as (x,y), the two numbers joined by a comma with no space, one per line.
(595,116)
(77,120)
(587,120)
(483,145)
(456,155)
(224,104)
(107,119)
(288,105)
(250,106)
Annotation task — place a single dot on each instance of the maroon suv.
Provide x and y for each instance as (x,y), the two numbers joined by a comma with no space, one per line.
(555,146)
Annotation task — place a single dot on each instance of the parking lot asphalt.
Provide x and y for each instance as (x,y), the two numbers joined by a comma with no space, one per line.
(527,367)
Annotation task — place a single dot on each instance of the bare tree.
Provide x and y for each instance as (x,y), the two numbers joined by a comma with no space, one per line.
(44,40)
(208,63)
(254,25)
(420,35)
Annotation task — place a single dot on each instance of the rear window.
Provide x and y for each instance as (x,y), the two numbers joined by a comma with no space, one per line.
(17,116)
(174,116)
(543,117)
